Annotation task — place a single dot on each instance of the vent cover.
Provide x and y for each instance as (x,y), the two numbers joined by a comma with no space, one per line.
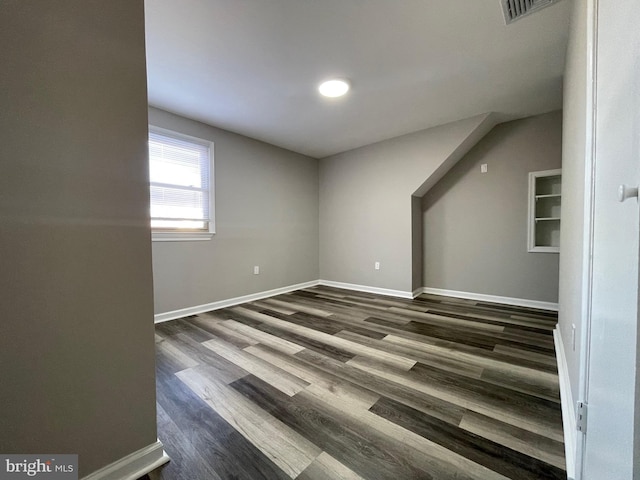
(516,9)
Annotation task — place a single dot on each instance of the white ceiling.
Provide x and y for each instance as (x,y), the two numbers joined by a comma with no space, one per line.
(253,66)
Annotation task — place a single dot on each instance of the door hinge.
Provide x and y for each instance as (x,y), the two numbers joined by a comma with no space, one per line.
(581,417)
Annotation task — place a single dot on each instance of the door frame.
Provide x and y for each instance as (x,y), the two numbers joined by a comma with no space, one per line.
(593,26)
(589,202)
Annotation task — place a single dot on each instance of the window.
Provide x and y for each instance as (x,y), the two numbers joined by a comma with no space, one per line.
(181,180)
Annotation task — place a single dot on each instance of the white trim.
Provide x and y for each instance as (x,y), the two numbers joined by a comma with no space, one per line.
(207,307)
(134,465)
(481,297)
(180,236)
(367,289)
(417,292)
(568,407)
(588,229)
(532,219)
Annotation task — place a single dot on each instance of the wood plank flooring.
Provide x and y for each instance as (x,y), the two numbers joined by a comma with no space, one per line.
(324,384)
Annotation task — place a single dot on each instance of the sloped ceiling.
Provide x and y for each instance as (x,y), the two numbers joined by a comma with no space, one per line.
(253,66)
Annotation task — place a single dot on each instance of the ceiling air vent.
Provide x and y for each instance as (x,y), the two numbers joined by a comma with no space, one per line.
(516,9)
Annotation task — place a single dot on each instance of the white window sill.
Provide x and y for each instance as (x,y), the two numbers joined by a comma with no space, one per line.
(180,236)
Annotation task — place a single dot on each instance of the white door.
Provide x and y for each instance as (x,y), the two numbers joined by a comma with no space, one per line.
(611,375)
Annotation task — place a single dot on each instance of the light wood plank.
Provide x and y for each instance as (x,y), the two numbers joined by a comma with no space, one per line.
(348,393)
(264,338)
(421,450)
(326,467)
(394,360)
(499,411)
(274,307)
(298,307)
(230,335)
(388,388)
(523,441)
(443,320)
(287,449)
(498,367)
(440,361)
(176,354)
(515,352)
(274,376)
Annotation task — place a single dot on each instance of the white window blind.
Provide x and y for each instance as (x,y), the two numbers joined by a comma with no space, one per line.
(180,187)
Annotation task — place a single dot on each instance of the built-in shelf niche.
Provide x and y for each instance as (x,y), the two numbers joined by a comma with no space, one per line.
(545,200)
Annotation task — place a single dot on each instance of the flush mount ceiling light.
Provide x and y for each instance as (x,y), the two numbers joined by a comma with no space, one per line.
(334,88)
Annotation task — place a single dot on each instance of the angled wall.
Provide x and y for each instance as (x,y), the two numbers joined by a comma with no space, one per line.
(366,203)
(76,351)
(475,224)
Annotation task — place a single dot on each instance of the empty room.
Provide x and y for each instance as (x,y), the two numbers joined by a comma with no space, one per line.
(319,239)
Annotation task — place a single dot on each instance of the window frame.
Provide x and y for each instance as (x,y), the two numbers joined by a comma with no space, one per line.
(186,235)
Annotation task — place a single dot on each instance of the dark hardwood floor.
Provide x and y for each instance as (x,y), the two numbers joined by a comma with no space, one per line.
(332,384)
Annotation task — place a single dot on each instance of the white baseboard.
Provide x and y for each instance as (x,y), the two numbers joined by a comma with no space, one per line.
(417,292)
(133,466)
(568,406)
(367,289)
(185,312)
(481,297)
(207,307)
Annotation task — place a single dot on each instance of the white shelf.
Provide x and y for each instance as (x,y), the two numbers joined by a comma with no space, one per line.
(545,199)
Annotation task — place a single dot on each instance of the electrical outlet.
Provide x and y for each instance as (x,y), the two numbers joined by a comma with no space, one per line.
(376,265)
(483,168)
(256,270)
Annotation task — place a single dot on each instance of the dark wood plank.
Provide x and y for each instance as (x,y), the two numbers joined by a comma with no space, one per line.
(309,343)
(352,448)
(381,387)
(461,347)
(474,339)
(440,361)
(434,406)
(546,413)
(227,371)
(322,324)
(206,446)
(497,457)
(186,326)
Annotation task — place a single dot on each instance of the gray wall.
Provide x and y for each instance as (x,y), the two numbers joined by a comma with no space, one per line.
(266,215)
(417,239)
(76,349)
(475,224)
(366,205)
(573,233)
